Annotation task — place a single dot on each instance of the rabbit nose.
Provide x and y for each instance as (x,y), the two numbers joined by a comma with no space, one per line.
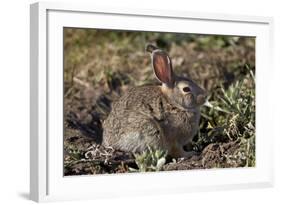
(201,99)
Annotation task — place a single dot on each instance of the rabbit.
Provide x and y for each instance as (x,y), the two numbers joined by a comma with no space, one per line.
(162,117)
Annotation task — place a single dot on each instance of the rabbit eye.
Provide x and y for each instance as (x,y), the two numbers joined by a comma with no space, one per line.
(186,89)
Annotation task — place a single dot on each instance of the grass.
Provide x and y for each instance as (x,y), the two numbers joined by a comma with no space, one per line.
(150,160)
(229,115)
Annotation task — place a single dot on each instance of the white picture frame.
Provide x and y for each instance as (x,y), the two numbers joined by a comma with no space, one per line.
(47,182)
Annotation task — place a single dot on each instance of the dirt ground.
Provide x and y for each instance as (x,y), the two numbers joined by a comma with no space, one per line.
(100,66)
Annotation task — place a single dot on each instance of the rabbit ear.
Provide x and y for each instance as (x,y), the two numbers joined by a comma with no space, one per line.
(162,66)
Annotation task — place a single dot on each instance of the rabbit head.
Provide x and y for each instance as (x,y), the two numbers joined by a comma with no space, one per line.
(182,91)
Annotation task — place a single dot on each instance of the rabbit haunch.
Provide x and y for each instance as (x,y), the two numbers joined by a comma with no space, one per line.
(163,117)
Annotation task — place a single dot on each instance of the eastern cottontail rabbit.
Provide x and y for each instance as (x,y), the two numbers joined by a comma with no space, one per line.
(163,117)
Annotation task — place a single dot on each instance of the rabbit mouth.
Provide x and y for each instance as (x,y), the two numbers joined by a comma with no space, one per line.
(200,99)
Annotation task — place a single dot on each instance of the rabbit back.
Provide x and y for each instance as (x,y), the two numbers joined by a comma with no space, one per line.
(144,117)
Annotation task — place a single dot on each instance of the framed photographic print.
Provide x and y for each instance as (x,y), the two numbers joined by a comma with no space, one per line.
(123,98)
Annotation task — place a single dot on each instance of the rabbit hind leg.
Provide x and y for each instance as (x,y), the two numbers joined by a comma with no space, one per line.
(146,133)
